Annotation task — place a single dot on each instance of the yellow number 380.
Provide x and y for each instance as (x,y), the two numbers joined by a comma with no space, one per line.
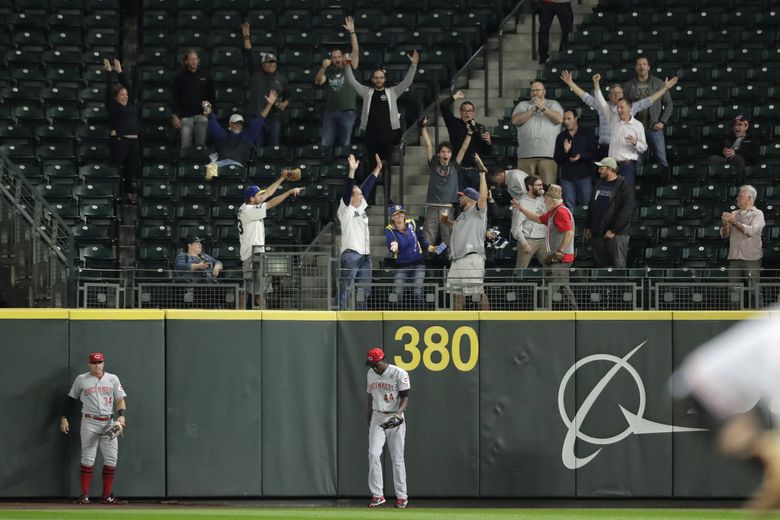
(437,345)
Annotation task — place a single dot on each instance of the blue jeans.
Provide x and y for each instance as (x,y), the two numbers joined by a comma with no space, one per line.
(271,134)
(337,128)
(657,144)
(197,125)
(627,170)
(354,268)
(414,274)
(577,193)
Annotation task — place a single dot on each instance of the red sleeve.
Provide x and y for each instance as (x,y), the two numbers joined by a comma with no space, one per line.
(563,220)
(544,218)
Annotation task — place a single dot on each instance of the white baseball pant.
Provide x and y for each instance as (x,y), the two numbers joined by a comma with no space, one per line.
(395,438)
(91,437)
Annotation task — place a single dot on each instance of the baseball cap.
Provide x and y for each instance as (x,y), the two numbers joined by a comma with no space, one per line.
(396,208)
(236,118)
(192,239)
(609,162)
(740,118)
(251,191)
(267,57)
(96,356)
(470,193)
(374,356)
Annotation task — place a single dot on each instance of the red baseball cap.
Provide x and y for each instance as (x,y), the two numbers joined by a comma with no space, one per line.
(374,356)
(96,356)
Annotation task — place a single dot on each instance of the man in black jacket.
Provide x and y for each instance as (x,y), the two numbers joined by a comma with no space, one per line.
(609,216)
(191,87)
(738,148)
(457,128)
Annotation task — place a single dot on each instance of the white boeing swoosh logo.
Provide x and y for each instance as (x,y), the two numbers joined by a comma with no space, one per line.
(636,423)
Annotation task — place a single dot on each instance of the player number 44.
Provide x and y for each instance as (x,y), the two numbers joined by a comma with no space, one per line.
(438,349)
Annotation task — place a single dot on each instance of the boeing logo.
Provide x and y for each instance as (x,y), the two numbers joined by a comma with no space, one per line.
(636,424)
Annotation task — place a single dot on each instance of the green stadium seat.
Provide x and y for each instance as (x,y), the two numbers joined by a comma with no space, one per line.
(93,151)
(158,232)
(65,208)
(194,190)
(661,256)
(98,171)
(154,251)
(193,209)
(59,168)
(156,189)
(102,208)
(98,256)
(63,111)
(59,189)
(156,210)
(55,149)
(94,188)
(157,170)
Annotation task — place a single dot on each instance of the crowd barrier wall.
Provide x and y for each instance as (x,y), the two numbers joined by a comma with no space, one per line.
(273,403)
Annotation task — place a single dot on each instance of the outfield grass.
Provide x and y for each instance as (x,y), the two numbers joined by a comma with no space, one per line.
(208,513)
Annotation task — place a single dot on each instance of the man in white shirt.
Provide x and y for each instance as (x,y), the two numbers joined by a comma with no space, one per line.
(251,231)
(530,235)
(355,236)
(627,135)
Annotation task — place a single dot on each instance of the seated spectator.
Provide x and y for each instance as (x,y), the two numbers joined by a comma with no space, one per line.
(191,87)
(195,265)
(574,149)
(237,143)
(340,97)
(738,148)
(442,183)
(408,251)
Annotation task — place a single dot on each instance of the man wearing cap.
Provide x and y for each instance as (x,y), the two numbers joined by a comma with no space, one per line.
(237,142)
(467,271)
(355,260)
(195,265)
(251,231)
(102,396)
(408,251)
(609,216)
(388,397)
(737,149)
(262,81)
(559,240)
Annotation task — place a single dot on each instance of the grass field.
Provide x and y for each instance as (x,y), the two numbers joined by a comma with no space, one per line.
(209,513)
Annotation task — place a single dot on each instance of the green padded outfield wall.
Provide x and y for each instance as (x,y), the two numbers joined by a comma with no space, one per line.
(250,404)
(213,369)
(133,342)
(33,382)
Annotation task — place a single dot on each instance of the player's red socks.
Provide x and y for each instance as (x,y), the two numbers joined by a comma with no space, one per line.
(108,480)
(86,479)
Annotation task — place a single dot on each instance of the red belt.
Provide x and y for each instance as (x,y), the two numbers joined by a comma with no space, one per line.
(98,417)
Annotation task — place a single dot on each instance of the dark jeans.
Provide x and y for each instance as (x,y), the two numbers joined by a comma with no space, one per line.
(656,143)
(565,18)
(576,192)
(382,144)
(125,155)
(271,134)
(337,128)
(610,252)
(627,169)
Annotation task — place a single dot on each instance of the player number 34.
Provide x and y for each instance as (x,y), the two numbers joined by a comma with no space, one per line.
(438,350)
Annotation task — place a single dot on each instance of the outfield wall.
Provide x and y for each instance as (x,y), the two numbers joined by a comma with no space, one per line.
(273,403)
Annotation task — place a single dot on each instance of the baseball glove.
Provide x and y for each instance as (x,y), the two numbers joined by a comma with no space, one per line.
(293,175)
(113,430)
(393,422)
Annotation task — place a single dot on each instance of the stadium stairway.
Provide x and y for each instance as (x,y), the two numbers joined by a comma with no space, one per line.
(519,69)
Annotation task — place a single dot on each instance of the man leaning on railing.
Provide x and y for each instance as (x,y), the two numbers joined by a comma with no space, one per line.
(194,265)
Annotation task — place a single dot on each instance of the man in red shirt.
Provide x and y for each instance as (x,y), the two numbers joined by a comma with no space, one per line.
(559,240)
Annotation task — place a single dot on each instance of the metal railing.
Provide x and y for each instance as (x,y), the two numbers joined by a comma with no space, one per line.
(36,246)
(308,279)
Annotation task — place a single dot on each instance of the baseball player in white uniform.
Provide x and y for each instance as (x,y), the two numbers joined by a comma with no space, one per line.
(388,396)
(100,394)
(729,376)
(251,231)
